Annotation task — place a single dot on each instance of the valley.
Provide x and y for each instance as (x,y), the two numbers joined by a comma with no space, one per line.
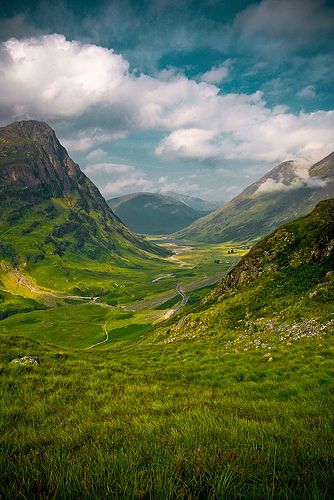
(158,367)
(131,302)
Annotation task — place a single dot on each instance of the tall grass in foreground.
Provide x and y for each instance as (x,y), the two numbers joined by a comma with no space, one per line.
(173,421)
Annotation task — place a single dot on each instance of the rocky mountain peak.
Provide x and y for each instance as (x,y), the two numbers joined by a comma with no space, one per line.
(34,165)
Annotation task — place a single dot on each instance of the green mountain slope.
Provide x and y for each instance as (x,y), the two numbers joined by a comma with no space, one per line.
(282,290)
(152,213)
(288,191)
(56,230)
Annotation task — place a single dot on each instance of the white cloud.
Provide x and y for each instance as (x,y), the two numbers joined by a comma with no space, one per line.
(188,143)
(53,77)
(92,89)
(300,179)
(97,154)
(87,139)
(108,168)
(292,21)
(217,74)
(308,91)
(126,184)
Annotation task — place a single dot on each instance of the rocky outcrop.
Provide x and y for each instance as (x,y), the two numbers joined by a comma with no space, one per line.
(296,244)
(35,166)
(26,361)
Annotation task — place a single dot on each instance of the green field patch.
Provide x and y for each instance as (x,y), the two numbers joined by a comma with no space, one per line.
(68,326)
(130,332)
(169,303)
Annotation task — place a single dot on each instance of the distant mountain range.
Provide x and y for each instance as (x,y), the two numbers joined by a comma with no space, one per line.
(52,216)
(153,213)
(198,204)
(288,191)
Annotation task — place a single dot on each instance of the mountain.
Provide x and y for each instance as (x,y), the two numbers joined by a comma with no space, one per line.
(288,191)
(282,290)
(152,213)
(54,221)
(198,204)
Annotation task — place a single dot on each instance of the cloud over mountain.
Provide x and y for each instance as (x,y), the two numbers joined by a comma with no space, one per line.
(49,77)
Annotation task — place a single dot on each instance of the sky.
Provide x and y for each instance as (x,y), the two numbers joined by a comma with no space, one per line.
(197,97)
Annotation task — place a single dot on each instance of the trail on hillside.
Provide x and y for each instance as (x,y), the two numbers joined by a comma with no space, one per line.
(105,330)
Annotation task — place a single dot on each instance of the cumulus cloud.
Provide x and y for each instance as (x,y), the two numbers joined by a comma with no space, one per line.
(308,91)
(291,22)
(217,74)
(108,168)
(300,179)
(93,90)
(55,78)
(96,154)
(127,184)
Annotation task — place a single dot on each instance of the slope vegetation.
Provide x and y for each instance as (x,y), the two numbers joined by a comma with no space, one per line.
(283,289)
(57,231)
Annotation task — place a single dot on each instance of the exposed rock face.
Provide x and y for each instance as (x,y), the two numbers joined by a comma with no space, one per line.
(287,245)
(35,166)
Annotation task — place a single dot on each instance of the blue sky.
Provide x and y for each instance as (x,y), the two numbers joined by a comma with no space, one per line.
(173,95)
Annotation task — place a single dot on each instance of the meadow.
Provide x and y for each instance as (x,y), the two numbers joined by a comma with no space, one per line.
(131,302)
(188,420)
(138,417)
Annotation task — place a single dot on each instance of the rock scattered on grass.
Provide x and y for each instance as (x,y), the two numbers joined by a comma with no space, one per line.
(26,360)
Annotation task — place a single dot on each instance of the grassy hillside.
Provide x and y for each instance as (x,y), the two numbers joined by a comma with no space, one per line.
(181,420)
(57,233)
(283,194)
(153,213)
(232,400)
(282,290)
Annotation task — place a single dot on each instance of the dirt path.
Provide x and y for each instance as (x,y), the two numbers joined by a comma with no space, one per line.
(105,331)
(102,341)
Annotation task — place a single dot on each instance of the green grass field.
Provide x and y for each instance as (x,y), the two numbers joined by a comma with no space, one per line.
(189,420)
(135,418)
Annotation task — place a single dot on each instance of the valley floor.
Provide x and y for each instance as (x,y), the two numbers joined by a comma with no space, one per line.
(132,302)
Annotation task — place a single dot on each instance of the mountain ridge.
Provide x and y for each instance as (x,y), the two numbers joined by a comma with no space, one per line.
(284,193)
(55,223)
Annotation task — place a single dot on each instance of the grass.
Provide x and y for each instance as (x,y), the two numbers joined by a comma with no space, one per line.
(167,421)
(219,416)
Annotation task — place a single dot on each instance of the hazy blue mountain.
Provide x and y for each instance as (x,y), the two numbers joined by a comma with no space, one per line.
(198,204)
(152,213)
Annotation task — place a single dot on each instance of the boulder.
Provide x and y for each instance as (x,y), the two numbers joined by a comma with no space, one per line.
(27,361)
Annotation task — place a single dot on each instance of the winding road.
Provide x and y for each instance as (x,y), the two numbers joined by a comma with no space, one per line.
(171,312)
